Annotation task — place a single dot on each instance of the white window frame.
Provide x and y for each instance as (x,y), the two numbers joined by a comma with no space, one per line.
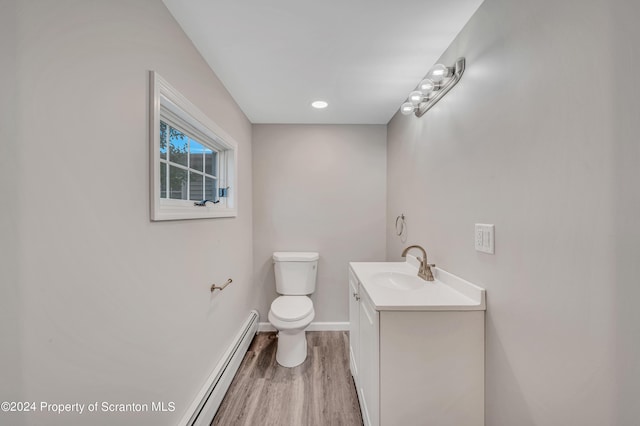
(170,105)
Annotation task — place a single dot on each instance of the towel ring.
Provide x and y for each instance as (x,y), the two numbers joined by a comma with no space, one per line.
(400,225)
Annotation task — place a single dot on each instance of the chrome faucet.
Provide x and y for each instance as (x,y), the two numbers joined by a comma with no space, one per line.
(424,271)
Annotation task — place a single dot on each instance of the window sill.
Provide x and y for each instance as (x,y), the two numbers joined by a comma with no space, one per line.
(173,212)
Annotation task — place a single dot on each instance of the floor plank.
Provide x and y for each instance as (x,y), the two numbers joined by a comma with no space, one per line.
(319,392)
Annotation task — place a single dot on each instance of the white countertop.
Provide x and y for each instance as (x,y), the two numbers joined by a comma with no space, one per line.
(447,293)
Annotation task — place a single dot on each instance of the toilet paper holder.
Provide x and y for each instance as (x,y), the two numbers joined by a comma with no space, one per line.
(220,287)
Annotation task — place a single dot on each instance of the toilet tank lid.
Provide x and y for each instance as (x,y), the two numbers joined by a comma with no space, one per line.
(295,256)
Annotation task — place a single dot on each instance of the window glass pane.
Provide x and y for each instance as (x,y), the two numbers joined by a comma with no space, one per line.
(163,140)
(210,162)
(163,180)
(195,190)
(196,152)
(178,146)
(177,183)
(210,188)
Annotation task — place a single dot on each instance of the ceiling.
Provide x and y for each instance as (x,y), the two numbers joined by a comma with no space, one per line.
(362,56)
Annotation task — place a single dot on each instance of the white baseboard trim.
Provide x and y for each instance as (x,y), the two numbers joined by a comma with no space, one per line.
(265,326)
(328,326)
(314,326)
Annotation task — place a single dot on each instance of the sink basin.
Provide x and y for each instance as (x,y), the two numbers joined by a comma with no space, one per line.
(395,286)
(398,281)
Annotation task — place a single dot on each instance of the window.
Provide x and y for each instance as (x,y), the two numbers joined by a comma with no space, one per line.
(193,161)
(188,168)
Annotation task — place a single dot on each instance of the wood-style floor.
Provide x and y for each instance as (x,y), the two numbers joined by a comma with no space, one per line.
(319,392)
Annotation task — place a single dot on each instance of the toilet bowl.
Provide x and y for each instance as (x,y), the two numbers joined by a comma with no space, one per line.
(291,315)
(292,312)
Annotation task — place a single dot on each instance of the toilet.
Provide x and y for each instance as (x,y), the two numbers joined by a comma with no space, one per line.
(292,312)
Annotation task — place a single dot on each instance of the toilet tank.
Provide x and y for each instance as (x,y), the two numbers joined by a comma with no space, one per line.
(295,272)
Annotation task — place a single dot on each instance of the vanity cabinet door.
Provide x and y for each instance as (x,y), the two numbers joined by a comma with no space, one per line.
(369,373)
(354,321)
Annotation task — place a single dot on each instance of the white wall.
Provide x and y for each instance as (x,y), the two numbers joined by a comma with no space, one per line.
(10,360)
(318,188)
(114,307)
(625,188)
(540,139)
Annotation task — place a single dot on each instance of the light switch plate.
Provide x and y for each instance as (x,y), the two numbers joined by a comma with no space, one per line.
(485,238)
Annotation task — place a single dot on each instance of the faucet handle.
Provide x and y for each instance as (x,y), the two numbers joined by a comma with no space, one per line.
(431,265)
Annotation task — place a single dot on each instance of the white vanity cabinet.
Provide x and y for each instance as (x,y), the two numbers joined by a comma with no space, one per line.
(416,364)
(354,324)
(364,353)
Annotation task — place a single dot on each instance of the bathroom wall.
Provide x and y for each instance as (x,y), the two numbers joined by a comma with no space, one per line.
(540,139)
(625,199)
(114,308)
(318,188)
(10,363)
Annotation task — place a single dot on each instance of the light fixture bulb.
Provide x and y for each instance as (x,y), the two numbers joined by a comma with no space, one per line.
(426,86)
(319,104)
(415,97)
(438,73)
(407,108)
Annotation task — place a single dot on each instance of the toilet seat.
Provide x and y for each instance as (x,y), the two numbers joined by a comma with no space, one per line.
(291,308)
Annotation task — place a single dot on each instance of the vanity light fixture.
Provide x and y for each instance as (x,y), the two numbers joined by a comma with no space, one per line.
(319,104)
(438,81)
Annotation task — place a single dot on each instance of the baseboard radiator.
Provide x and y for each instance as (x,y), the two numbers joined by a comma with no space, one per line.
(208,401)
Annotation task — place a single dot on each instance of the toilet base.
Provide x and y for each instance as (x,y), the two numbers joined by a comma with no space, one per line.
(292,348)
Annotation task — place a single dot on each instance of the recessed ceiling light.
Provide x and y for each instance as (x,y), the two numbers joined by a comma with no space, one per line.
(319,104)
